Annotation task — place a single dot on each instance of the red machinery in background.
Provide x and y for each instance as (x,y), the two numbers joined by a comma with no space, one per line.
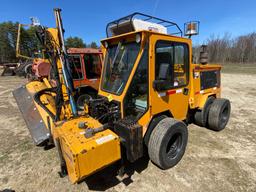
(85,65)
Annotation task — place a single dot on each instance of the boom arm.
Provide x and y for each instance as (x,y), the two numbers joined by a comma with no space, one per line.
(62,52)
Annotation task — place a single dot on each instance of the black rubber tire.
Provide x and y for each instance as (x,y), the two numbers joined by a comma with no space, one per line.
(81,100)
(151,127)
(219,114)
(168,143)
(28,69)
(201,116)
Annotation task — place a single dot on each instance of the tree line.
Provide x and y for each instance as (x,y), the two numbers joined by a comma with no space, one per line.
(29,43)
(241,49)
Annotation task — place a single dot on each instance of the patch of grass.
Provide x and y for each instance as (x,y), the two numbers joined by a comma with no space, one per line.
(237,68)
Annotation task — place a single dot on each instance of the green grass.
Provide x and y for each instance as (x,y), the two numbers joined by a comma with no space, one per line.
(236,68)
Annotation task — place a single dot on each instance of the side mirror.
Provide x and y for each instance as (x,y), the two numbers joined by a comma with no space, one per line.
(163,82)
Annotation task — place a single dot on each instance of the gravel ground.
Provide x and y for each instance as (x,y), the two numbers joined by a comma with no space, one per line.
(214,161)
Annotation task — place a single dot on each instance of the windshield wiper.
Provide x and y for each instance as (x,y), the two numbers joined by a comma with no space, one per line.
(115,57)
(117,51)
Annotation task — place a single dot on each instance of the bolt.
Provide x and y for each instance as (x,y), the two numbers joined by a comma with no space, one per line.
(81,125)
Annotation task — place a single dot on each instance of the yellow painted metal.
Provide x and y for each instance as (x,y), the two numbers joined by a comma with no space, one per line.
(48,100)
(128,37)
(157,104)
(18,54)
(55,41)
(177,104)
(47,83)
(84,156)
(198,97)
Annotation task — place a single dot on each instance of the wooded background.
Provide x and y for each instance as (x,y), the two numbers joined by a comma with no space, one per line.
(241,49)
(225,49)
(29,43)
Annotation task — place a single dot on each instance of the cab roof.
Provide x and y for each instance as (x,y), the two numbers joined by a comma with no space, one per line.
(142,31)
(128,24)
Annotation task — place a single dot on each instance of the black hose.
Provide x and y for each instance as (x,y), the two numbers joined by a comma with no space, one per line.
(40,103)
(59,96)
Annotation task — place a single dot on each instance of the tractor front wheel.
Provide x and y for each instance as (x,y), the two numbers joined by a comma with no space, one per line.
(168,142)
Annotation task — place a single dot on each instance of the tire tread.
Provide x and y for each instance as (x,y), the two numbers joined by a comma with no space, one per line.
(156,138)
(214,113)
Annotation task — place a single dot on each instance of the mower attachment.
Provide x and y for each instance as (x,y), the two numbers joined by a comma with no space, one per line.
(40,134)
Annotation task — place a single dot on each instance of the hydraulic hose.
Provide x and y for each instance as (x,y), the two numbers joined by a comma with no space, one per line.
(40,103)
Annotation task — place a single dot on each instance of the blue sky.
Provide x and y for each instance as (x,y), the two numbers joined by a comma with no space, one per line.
(87,19)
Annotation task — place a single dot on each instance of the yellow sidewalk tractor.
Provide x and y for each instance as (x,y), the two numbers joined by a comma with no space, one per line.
(149,92)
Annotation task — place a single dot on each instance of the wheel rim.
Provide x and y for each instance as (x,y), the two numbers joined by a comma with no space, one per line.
(174,145)
(82,100)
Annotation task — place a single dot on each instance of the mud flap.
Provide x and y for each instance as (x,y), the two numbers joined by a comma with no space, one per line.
(40,134)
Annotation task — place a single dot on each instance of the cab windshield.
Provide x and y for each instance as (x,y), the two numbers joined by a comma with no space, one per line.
(119,62)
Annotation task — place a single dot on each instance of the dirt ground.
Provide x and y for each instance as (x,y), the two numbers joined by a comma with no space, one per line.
(214,161)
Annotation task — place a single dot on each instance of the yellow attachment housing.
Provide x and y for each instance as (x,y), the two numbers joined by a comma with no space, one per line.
(36,117)
(48,100)
(84,156)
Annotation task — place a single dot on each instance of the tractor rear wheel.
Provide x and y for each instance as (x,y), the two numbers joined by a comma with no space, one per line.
(219,114)
(201,116)
(168,142)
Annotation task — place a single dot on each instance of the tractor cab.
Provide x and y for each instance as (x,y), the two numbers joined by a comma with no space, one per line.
(150,89)
(143,64)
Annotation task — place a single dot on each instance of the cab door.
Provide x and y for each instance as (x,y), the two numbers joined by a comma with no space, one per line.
(170,75)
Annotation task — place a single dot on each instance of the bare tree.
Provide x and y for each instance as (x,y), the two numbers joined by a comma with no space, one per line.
(225,49)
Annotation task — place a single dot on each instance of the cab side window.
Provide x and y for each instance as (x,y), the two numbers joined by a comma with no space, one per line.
(92,66)
(174,58)
(75,66)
